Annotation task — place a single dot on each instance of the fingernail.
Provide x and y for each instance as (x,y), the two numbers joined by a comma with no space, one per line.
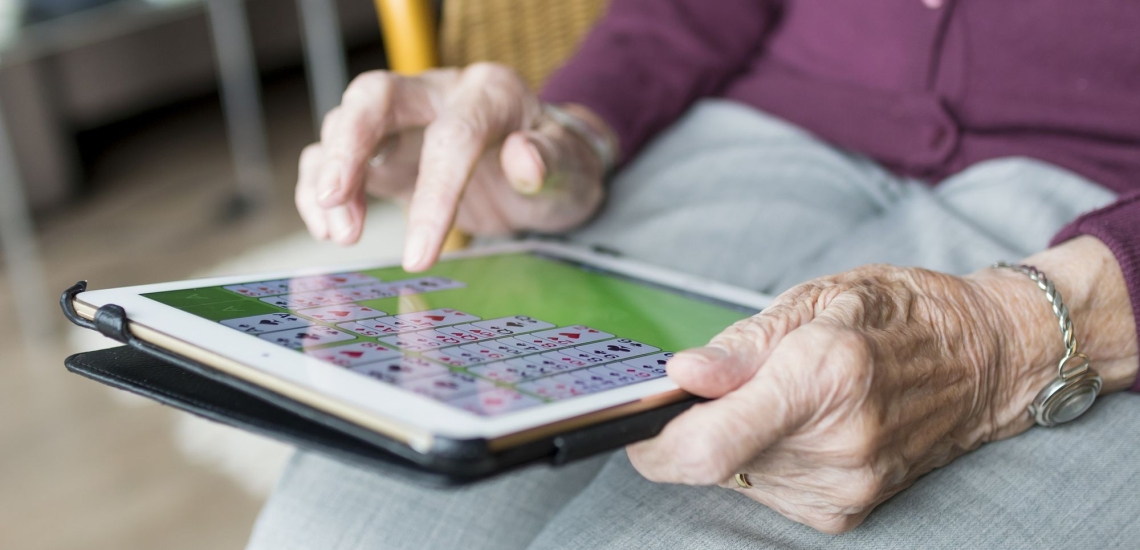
(341,221)
(710,354)
(415,251)
(529,181)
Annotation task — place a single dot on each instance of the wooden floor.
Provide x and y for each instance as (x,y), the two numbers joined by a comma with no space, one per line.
(78,467)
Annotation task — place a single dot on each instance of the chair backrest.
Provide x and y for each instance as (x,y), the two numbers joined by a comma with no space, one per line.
(533,36)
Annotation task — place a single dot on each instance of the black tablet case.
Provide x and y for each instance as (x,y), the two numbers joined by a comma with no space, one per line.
(150,371)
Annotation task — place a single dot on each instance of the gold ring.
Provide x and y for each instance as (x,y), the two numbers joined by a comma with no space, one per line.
(742,481)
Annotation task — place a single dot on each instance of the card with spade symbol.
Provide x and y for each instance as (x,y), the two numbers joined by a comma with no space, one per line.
(306,337)
(616,349)
(270,322)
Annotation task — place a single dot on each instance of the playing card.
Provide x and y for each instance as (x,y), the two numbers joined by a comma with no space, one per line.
(411,341)
(635,372)
(612,350)
(401,369)
(341,312)
(387,325)
(568,361)
(304,300)
(348,279)
(585,357)
(487,354)
(596,379)
(352,355)
(538,342)
(474,330)
(520,344)
(515,324)
(257,290)
(391,325)
(501,347)
(560,386)
(270,322)
(434,284)
(533,366)
(447,386)
(568,336)
(435,318)
(453,356)
(362,329)
(652,364)
(308,283)
(620,377)
(454,336)
(306,337)
(494,401)
(368,291)
(502,371)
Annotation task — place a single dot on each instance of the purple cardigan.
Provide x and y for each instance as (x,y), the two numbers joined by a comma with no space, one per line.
(926,91)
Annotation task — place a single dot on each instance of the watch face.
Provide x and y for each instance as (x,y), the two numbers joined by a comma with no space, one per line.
(1074,404)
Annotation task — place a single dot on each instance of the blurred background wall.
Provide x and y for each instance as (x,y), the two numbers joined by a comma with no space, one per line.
(155,140)
(118,165)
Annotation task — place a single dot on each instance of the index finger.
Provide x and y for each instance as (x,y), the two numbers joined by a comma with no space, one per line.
(374,105)
(452,146)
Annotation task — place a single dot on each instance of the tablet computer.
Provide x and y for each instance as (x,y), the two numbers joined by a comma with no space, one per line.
(478,364)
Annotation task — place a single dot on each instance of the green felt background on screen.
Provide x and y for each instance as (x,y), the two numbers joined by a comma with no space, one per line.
(521,284)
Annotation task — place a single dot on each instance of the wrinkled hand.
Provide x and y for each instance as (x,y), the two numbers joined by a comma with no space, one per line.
(465,145)
(849,387)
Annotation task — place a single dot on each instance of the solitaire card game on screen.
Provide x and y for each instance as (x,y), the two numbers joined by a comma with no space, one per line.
(487,335)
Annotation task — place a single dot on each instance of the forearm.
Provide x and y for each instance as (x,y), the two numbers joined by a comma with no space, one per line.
(1092,285)
(648,60)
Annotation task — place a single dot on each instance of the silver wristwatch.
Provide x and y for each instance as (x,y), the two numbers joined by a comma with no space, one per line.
(1077,384)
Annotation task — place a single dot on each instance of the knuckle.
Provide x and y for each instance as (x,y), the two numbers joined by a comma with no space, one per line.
(367,86)
(487,70)
(452,132)
(328,123)
(832,524)
(700,464)
(861,490)
(310,155)
(851,352)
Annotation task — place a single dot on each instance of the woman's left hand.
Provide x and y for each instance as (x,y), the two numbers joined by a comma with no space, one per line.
(849,387)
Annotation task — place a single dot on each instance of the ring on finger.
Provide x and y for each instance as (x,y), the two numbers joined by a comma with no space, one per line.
(742,481)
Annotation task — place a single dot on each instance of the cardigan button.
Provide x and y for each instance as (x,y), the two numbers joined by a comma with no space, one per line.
(932,4)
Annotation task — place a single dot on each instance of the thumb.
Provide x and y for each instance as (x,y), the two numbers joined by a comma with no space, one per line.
(734,356)
(523,163)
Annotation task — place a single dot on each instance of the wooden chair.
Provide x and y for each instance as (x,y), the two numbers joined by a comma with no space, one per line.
(532,36)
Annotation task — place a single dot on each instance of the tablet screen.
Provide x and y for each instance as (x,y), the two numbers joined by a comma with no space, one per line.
(487,334)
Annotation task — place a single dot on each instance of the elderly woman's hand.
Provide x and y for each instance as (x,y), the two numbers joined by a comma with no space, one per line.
(470,145)
(849,387)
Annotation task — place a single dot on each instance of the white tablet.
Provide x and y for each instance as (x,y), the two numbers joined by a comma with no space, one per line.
(506,344)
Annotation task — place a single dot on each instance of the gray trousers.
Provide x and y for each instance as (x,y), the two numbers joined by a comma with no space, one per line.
(738,196)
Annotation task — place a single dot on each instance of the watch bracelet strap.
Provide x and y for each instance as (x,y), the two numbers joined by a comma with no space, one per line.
(605,149)
(1072,391)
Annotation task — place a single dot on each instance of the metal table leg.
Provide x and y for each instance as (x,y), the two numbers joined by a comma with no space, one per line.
(324,55)
(241,101)
(21,255)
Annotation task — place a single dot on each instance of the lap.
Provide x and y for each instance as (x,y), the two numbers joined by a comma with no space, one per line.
(1067,487)
(738,196)
(322,503)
